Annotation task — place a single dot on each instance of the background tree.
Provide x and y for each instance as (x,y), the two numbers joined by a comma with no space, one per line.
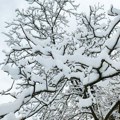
(56,73)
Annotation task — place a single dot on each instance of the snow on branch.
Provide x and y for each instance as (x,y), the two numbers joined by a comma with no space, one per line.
(56,71)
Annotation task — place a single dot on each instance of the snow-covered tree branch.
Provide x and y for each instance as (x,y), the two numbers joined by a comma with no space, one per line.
(57,72)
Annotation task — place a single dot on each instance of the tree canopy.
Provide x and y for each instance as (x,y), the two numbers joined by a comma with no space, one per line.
(58,74)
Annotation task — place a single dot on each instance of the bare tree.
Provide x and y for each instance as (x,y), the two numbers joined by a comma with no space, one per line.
(55,72)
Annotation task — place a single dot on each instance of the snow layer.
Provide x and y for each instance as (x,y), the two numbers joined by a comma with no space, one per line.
(85,102)
(14,106)
(10,116)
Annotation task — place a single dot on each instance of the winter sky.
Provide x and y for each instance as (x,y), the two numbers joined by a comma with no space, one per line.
(7,13)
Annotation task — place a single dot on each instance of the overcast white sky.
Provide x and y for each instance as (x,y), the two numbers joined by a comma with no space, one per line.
(7,13)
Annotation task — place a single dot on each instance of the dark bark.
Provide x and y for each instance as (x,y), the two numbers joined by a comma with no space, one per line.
(111,110)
